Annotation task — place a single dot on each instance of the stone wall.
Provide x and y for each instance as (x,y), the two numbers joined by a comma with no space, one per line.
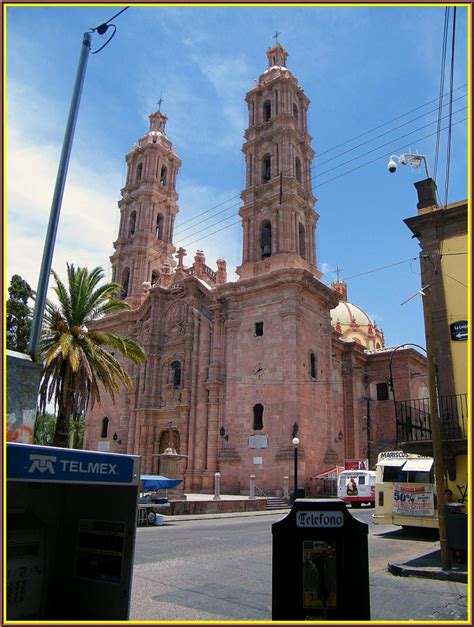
(176,508)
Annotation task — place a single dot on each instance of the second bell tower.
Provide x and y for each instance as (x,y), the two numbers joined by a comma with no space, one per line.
(278,218)
(148,210)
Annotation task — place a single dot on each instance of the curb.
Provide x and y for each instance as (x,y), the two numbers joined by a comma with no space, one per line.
(187,517)
(401,570)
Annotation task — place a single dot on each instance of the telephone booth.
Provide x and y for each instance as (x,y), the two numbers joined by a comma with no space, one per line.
(71,524)
(320,566)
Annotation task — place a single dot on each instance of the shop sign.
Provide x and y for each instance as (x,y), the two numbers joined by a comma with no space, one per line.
(413,500)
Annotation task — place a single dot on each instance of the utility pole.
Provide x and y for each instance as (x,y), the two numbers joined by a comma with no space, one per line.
(48,250)
(436,430)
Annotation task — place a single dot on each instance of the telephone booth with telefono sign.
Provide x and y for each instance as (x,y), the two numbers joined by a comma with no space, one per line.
(320,567)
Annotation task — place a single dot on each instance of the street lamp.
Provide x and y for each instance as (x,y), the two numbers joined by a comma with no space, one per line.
(295,441)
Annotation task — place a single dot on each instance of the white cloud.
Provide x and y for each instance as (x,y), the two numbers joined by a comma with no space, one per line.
(89,215)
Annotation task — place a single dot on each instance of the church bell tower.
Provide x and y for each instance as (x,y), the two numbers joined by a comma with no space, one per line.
(148,210)
(278,218)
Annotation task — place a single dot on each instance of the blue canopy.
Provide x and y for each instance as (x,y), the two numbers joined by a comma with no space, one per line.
(158,482)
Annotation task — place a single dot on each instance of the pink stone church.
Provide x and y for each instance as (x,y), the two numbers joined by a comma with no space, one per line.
(235,369)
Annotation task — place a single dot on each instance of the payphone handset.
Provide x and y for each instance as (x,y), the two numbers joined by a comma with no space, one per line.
(319,575)
(25,572)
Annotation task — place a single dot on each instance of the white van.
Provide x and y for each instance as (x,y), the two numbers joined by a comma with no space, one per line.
(405,490)
(356,487)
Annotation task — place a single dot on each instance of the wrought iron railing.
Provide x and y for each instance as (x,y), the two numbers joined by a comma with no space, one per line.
(414,418)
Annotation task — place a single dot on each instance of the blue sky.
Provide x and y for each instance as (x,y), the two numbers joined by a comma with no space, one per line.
(361,67)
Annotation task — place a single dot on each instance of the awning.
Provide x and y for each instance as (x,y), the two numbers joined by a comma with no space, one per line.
(393,461)
(158,482)
(420,465)
(330,473)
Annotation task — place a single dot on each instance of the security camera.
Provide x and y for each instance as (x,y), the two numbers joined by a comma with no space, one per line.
(392,166)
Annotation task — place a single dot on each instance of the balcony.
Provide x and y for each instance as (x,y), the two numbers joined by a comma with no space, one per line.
(414,424)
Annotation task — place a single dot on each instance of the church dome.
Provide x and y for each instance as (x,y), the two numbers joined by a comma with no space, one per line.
(348,313)
(353,323)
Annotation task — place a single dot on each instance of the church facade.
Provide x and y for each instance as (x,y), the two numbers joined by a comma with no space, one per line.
(235,370)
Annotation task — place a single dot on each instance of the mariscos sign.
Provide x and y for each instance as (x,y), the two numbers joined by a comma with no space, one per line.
(411,500)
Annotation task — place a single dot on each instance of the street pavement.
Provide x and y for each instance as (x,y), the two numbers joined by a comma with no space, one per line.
(218,567)
(427,564)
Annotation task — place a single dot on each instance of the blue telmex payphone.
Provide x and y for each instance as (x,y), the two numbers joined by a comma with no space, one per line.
(71,523)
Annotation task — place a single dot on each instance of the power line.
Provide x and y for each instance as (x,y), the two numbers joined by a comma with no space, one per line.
(274,196)
(194,218)
(297,184)
(392,265)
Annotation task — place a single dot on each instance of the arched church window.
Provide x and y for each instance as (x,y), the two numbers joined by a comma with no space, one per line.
(159,226)
(105,426)
(176,374)
(163,175)
(125,280)
(313,366)
(298,169)
(250,162)
(258,417)
(267,110)
(132,223)
(302,240)
(266,168)
(252,113)
(295,112)
(154,277)
(139,172)
(266,240)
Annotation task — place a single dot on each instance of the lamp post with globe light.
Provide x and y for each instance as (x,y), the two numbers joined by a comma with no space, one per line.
(295,441)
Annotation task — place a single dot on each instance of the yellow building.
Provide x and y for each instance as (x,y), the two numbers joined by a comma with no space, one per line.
(442,234)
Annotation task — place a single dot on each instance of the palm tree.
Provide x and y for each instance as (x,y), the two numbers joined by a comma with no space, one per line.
(76,359)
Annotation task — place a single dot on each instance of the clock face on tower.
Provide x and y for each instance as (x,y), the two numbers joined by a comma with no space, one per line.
(259,370)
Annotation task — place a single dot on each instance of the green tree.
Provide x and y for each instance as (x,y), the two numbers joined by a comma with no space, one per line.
(19,314)
(45,424)
(77,361)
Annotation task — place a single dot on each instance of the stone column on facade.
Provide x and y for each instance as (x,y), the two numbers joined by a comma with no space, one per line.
(200,423)
(286,492)
(245,238)
(213,386)
(171,229)
(289,314)
(276,234)
(253,238)
(212,425)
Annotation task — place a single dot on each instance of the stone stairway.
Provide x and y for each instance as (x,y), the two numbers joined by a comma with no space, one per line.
(276,502)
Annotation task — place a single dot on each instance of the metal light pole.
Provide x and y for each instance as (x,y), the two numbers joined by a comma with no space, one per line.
(295,443)
(45,271)
(368,428)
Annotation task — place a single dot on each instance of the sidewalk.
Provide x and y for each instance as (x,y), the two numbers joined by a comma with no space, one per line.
(429,567)
(223,497)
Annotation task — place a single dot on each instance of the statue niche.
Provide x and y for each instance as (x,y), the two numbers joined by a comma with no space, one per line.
(176,319)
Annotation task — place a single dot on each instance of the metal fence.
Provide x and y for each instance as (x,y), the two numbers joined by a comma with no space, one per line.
(414,418)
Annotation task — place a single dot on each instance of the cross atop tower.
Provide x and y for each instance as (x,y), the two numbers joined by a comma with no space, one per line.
(338,271)
(161,100)
(275,36)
